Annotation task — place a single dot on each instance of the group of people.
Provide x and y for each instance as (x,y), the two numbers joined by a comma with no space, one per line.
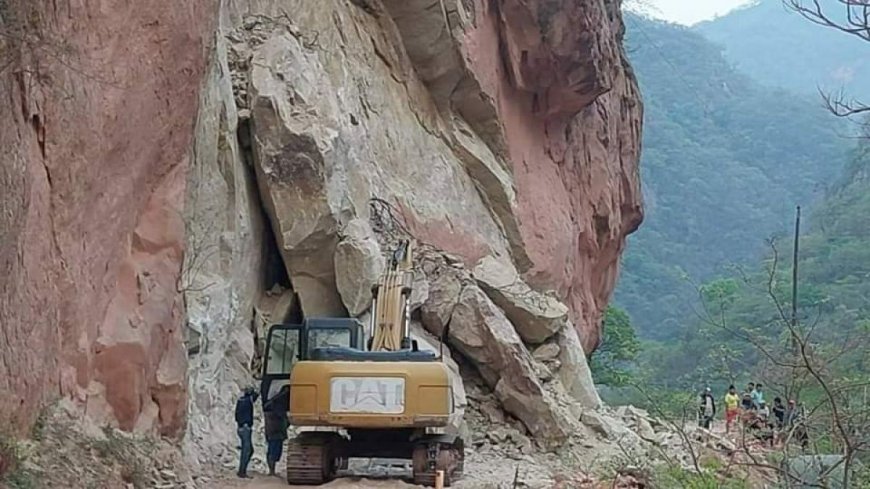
(275,424)
(755,414)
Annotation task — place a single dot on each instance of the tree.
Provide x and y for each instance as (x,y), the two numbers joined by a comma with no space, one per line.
(815,365)
(848,16)
(612,362)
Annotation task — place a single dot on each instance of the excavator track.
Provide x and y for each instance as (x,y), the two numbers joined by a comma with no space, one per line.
(310,460)
(429,458)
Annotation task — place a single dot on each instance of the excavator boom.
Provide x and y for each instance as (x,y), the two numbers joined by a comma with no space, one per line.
(390,328)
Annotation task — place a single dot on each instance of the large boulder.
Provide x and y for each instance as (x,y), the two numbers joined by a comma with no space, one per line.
(296,168)
(444,285)
(574,370)
(481,332)
(536,316)
(358,265)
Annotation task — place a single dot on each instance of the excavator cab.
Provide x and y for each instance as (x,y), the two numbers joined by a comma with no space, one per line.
(361,395)
(287,344)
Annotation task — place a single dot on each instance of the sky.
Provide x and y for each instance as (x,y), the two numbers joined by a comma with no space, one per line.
(689,12)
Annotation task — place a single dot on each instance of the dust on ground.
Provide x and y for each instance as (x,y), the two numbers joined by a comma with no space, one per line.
(274,482)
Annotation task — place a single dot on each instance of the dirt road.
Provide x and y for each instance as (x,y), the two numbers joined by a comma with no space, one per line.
(264,482)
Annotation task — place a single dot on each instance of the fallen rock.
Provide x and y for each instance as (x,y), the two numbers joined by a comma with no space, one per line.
(536,316)
(419,290)
(358,265)
(639,421)
(714,440)
(574,371)
(546,352)
(598,423)
(492,412)
(444,288)
(482,333)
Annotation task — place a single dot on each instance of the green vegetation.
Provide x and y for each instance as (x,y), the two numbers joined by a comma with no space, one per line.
(613,361)
(707,279)
(13,473)
(724,162)
(779,48)
(743,332)
(676,477)
(125,452)
(832,302)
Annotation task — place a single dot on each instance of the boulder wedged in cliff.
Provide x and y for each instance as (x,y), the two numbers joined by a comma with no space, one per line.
(540,167)
(536,316)
(358,266)
(481,332)
(291,147)
(333,128)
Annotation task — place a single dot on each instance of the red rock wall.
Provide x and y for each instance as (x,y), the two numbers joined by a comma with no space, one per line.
(96,131)
(571,114)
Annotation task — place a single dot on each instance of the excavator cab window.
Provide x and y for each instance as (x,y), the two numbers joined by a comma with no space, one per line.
(324,338)
(332,333)
(283,350)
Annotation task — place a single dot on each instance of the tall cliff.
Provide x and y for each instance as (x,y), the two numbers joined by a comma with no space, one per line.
(183,173)
(99,101)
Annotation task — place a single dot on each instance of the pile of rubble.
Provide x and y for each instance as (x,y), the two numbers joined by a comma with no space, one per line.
(68,449)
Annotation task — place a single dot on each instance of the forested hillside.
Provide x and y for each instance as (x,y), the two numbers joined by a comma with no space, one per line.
(778,47)
(724,162)
(833,299)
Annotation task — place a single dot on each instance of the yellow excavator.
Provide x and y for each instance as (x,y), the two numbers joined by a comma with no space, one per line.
(387,399)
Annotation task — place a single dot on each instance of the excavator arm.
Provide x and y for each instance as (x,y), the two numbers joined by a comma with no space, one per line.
(390,324)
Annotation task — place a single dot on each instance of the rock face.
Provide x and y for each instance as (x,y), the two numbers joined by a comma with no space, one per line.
(96,142)
(533,159)
(535,316)
(145,216)
(227,268)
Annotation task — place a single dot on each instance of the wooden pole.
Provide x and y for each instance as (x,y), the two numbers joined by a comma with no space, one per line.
(794,279)
(439,479)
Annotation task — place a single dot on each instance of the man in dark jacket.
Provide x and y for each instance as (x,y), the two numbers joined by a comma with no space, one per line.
(245,423)
(275,416)
(706,409)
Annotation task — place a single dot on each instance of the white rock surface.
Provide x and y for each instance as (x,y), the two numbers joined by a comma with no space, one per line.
(536,316)
(358,265)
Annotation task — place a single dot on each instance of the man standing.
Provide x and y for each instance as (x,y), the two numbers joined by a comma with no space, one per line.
(778,412)
(707,409)
(275,416)
(732,407)
(757,397)
(746,400)
(245,422)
